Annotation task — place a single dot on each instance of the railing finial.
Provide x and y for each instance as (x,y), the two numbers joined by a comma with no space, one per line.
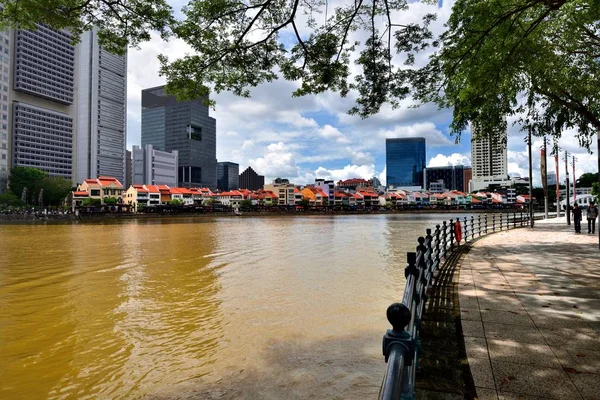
(399,317)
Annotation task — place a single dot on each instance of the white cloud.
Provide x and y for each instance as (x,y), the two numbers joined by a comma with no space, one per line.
(383,176)
(454,159)
(278,161)
(331,133)
(433,136)
(348,172)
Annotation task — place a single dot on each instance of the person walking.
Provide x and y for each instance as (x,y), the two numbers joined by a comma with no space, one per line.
(592,214)
(577,218)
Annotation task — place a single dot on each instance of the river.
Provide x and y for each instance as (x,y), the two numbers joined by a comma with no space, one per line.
(201,308)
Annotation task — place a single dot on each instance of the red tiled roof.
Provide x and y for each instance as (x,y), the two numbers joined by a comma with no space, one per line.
(80,194)
(152,189)
(108,180)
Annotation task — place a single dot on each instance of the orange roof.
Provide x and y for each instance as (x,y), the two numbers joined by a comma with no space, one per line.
(109,180)
(184,191)
(152,189)
(80,194)
(475,200)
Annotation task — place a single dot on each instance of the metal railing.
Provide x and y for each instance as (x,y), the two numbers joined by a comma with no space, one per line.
(401,343)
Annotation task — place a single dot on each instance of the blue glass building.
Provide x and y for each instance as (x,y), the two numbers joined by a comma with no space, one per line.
(405,161)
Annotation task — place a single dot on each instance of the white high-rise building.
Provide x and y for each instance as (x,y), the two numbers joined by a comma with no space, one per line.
(5,40)
(154,167)
(489,161)
(62,107)
(102,111)
(40,89)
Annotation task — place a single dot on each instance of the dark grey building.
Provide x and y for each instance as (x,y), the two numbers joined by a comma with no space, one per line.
(250,180)
(453,177)
(228,176)
(128,170)
(186,127)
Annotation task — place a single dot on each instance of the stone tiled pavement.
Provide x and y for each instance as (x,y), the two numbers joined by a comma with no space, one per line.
(530,313)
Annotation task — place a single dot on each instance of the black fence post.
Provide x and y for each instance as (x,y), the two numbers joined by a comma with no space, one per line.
(472,227)
(437,243)
(500,221)
(451,233)
(479,225)
(522,222)
(514,219)
(428,239)
(466,230)
(486,224)
(445,238)
(493,222)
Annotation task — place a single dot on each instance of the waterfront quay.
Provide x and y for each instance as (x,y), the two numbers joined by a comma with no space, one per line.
(529,304)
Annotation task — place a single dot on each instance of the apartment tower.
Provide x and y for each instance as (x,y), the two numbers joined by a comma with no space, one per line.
(489,159)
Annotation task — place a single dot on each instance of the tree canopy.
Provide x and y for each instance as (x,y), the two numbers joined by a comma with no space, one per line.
(587,179)
(534,58)
(537,59)
(27,183)
(239,44)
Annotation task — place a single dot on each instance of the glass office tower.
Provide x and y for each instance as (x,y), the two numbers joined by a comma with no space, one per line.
(405,162)
(228,176)
(185,126)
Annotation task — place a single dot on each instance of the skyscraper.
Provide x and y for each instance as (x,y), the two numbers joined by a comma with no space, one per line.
(62,107)
(101,111)
(405,162)
(489,159)
(228,176)
(185,126)
(42,69)
(250,180)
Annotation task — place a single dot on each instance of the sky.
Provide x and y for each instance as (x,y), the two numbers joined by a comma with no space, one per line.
(314,137)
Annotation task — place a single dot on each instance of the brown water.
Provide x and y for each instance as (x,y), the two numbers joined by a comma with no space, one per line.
(223,308)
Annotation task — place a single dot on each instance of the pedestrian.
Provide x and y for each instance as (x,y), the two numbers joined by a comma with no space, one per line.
(577,218)
(592,214)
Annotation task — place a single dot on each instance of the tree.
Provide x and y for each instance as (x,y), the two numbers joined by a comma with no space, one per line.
(240,44)
(10,199)
(55,189)
(120,23)
(91,202)
(176,202)
(587,179)
(110,201)
(25,177)
(596,191)
(534,58)
(246,204)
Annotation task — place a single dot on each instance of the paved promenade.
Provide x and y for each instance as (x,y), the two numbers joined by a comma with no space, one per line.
(530,311)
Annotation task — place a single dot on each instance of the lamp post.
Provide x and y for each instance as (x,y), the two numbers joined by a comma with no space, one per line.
(530,180)
(544,173)
(574,181)
(556,150)
(567,209)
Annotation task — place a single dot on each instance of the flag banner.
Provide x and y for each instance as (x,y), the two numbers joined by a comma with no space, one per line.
(544,171)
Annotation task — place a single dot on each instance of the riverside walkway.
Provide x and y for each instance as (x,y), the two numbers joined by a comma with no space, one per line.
(530,313)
